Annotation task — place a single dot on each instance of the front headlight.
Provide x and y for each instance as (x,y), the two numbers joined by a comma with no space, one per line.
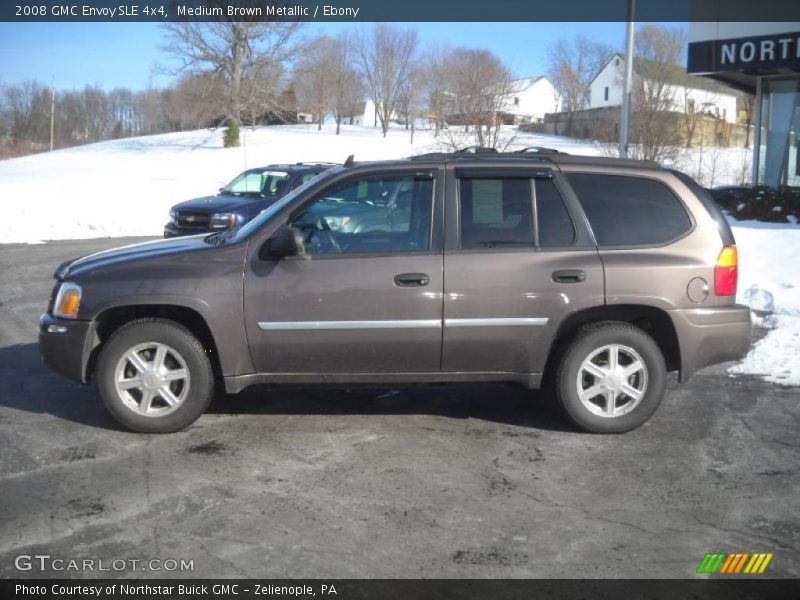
(226,220)
(68,300)
(337,223)
(173,213)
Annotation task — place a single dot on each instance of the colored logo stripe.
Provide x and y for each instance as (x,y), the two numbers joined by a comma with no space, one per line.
(720,562)
(710,563)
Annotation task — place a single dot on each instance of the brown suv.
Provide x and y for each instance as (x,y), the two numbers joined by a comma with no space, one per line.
(595,275)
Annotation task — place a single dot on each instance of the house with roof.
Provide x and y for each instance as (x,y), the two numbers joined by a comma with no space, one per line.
(683,93)
(531,99)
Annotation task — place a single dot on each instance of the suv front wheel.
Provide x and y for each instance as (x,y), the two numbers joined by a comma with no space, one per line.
(611,378)
(154,376)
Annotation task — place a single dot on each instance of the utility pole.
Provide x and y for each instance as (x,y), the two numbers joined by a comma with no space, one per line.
(52,114)
(626,89)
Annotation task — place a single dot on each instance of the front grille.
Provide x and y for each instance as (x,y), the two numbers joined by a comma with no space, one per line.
(192,220)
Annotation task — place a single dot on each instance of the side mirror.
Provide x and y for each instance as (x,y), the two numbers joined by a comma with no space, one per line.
(287,241)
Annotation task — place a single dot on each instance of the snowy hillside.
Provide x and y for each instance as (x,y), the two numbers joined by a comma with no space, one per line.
(126,187)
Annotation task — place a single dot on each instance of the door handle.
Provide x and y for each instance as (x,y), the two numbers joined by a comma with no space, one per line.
(411,279)
(569,276)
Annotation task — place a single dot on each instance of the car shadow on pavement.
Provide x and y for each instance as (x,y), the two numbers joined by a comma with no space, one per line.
(28,385)
(503,404)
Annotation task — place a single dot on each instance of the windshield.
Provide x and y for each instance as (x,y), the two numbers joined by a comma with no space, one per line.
(263,183)
(246,230)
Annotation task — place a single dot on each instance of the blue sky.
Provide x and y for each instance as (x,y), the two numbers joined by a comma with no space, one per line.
(70,55)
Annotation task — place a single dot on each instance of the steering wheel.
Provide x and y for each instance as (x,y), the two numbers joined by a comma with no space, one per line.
(322,238)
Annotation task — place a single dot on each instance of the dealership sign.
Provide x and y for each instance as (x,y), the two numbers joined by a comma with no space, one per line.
(761,53)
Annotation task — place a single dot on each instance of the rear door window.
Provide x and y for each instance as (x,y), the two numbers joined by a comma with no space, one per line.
(499,213)
(496,213)
(630,211)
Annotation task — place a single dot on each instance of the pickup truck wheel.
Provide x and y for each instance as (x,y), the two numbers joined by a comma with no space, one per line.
(611,379)
(154,376)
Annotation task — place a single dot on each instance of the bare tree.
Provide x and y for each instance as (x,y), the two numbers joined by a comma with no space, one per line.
(745,173)
(262,95)
(347,85)
(235,51)
(413,100)
(430,79)
(313,80)
(387,56)
(693,114)
(28,110)
(478,86)
(197,101)
(573,63)
(748,104)
(659,51)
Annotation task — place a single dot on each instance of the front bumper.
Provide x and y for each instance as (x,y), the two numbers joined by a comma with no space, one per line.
(708,336)
(172,230)
(66,345)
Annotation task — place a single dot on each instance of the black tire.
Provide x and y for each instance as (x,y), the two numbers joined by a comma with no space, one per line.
(200,380)
(590,339)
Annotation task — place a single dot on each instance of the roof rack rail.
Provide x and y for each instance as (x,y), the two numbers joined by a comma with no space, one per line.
(539,150)
(466,151)
(548,155)
(314,163)
(476,150)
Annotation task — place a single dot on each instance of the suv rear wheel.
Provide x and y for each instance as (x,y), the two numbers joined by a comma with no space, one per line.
(154,376)
(611,378)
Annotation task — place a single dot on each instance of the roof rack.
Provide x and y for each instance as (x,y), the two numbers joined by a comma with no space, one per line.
(539,150)
(314,163)
(535,153)
(468,151)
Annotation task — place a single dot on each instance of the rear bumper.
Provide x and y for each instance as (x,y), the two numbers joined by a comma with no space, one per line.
(65,345)
(708,336)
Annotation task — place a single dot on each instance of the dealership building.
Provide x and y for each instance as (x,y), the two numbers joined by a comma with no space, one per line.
(761,59)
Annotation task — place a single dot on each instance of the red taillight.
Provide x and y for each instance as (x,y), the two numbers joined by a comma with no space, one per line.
(726,272)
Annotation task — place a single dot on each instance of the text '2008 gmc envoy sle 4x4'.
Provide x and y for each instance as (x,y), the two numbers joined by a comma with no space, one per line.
(595,275)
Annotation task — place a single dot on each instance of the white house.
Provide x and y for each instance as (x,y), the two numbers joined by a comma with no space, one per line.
(699,96)
(531,98)
(364,114)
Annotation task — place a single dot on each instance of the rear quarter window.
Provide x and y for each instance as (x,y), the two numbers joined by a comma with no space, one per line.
(630,211)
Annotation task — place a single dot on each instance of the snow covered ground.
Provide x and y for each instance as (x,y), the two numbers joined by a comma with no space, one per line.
(126,187)
(769,282)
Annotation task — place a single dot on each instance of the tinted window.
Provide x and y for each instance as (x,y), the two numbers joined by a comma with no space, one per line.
(555,225)
(495,213)
(370,215)
(630,211)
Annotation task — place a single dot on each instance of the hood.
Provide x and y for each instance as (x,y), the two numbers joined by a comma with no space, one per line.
(130,253)
(220,203)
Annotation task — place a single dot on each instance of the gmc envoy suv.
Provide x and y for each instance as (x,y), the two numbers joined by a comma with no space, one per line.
(591,276)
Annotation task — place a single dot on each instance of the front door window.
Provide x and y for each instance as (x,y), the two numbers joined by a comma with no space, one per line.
(385,214)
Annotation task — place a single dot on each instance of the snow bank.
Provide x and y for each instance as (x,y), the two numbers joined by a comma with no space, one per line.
(769,282)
